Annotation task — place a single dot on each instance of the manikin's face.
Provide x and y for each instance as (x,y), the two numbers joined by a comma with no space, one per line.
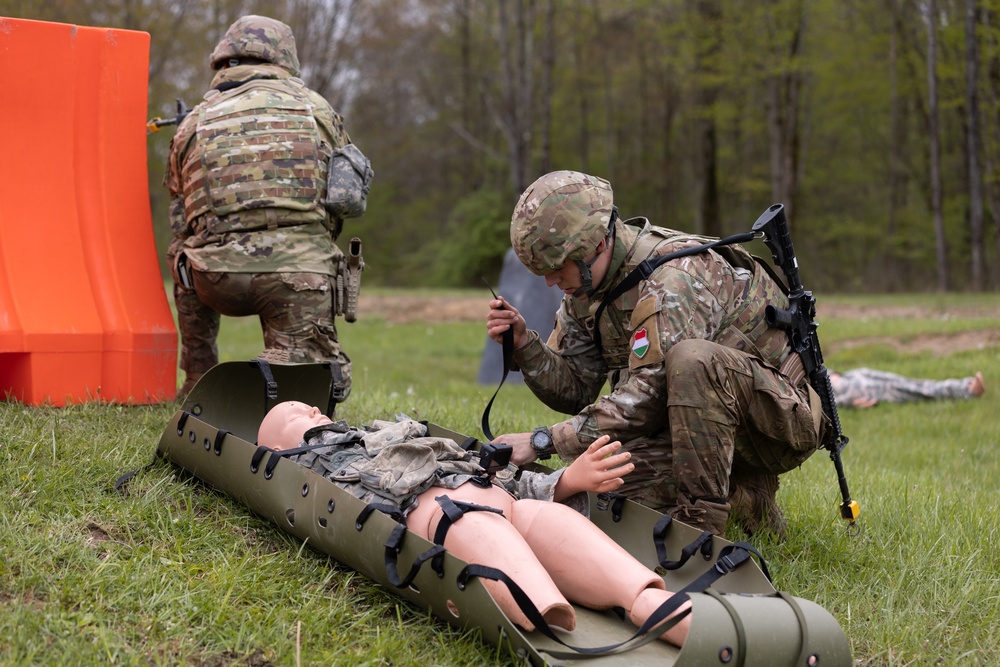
(284,424)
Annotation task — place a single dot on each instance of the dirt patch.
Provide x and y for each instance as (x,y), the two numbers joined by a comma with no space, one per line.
(399,309)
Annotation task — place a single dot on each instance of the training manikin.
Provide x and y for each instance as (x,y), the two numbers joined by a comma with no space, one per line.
(554,553)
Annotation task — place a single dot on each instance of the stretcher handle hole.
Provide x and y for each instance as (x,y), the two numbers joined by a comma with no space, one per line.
(725,654)
(322,522)
(290,516)
(453,608)
(207,444)
(331,505)
(305,490)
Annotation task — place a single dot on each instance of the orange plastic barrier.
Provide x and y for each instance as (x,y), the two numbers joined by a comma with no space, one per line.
(83,313)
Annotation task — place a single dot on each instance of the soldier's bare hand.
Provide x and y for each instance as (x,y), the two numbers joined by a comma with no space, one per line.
(599,469)
(503,316)
(520,443)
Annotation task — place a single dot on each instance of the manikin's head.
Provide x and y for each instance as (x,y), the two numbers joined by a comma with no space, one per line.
(285,423)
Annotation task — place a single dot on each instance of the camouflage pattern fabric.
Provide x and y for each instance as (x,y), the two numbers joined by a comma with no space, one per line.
(574,209)
(885,387)
(260,148)
(258,37)
(295,311)
(396,461)
(249,237)
(696,391)
(259,239)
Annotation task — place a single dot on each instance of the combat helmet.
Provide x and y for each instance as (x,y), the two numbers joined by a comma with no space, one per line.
(258,37)
(562,217)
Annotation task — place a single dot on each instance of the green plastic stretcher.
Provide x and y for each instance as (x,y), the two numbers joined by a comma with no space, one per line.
(739,620)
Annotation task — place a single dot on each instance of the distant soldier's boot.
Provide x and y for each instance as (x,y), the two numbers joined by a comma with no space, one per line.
(755,506)
(189,382)
(702,514)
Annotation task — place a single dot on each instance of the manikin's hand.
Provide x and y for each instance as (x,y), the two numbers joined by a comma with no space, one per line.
(598,469)
(522,451)
(503,316)
(864,402)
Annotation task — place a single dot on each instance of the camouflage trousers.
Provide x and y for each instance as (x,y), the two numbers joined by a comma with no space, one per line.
(730,418)
(295,311)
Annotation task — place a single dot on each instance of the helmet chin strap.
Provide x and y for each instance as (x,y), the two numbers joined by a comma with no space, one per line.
(586,277)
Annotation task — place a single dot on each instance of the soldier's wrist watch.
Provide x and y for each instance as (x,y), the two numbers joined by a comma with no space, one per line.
(541,442)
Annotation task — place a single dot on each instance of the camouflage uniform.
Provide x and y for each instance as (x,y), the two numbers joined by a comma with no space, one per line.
(884,387)
(394,462)
(704,394)
(247,179)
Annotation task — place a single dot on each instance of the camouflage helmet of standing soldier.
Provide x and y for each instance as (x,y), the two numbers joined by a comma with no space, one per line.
(562,217)
(258,37)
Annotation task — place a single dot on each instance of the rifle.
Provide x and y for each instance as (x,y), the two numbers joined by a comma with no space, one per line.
(156,124)
(799,322)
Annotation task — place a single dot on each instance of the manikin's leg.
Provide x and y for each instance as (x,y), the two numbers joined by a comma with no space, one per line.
(588,566)
(489,539)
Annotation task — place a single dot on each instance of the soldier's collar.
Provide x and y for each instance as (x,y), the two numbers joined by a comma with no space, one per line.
(626,233)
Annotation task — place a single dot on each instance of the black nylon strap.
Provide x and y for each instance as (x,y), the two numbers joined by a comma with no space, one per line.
(453,511)
(648,266)
(392,548)
(654,626)
(270,386)
(508,356)
(730,558)
(702,543)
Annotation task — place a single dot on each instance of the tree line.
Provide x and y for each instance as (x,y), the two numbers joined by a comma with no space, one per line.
(875,122)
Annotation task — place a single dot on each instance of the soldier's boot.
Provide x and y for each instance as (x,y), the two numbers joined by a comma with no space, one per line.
(755,505)
(701,513)
(190,380)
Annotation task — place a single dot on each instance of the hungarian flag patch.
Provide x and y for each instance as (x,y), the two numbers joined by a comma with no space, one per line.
(640,343)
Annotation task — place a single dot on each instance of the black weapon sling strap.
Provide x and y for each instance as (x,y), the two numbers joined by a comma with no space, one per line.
(648,266)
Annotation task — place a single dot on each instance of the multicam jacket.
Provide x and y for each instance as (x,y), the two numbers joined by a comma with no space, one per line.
(394,462)
(236,205)
(719,295)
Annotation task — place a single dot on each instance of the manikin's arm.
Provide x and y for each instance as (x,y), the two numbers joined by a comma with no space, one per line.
(598,469)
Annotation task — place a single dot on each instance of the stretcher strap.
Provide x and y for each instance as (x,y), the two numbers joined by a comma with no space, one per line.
(741,633)
(805,657)
(702,543)
(392,548)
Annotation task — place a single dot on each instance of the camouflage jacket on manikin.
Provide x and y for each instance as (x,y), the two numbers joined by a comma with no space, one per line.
(867,384)
(719,295)
(221,223)
(393,462)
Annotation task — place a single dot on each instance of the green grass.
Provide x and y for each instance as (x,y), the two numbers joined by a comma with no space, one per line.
(173,573)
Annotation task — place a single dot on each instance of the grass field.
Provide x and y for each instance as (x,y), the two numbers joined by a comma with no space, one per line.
(175,574)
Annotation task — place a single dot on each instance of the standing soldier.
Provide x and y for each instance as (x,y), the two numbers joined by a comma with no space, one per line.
(709,400)
(253,232)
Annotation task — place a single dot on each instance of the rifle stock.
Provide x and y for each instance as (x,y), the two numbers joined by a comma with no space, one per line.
(798,320)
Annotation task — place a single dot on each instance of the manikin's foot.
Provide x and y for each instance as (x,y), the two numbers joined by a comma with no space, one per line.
(976,386)
(648,601)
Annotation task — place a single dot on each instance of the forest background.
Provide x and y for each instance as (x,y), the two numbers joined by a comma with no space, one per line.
(876,123)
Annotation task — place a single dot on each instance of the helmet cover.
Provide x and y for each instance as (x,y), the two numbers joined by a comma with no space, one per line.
(561,217)
(259,37)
